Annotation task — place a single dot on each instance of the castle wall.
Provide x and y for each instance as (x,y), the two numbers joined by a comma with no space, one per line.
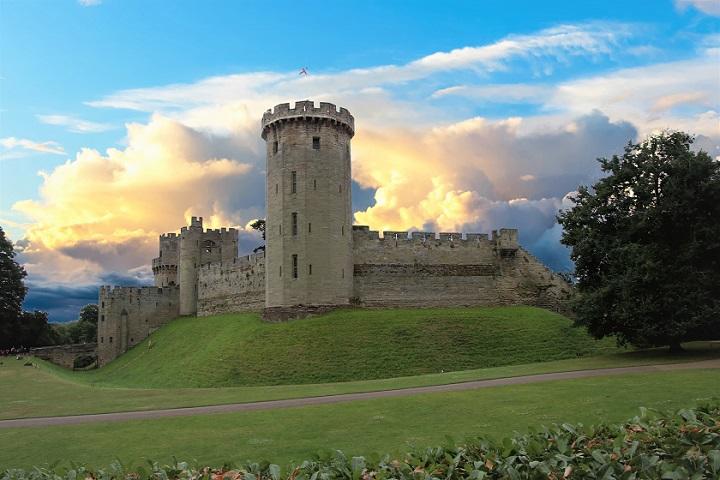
(449,269)
(127,315)
(165,265)
(237,285)
(64,355)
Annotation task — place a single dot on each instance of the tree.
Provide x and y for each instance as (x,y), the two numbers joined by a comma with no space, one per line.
(646,244)
(12,291)
(259,225)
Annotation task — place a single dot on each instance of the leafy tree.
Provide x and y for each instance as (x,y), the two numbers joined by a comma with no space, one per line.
(646,244)
(259,225)
(89,314)
(12,290)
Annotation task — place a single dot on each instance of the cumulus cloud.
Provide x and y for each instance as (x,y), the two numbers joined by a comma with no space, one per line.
(22,147)
(75,124)
(102,212)
(89,3)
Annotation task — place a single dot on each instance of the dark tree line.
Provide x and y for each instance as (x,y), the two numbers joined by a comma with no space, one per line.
(20,328)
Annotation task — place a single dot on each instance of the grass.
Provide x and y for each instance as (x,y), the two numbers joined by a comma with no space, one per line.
(359,428)
(345,345)
(51,390)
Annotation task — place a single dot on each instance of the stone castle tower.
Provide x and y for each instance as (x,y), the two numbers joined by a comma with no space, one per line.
(309,257)
(181,256)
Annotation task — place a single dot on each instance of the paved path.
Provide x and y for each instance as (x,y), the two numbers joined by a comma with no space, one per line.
(347,397)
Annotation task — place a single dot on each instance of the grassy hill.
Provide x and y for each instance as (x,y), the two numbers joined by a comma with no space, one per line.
(240,349)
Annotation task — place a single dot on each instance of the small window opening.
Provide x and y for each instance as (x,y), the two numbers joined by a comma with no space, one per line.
(102,339)
(110,340)
(293,183)
(316,143)
(280,229)
(294,223)
(103,305)
(276,189)
(309,227)
(275,147)
(281,270)
(309,268)
(295,266)
(132,340)
(342,230)
(102,318)
(343,273)
(340,188)
(314,184)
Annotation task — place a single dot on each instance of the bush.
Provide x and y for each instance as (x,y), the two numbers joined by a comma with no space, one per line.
(652,446)
(83,361)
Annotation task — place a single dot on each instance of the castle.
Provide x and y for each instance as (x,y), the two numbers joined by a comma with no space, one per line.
(315,259)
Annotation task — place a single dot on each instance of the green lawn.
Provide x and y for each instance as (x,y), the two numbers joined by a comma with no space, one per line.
(363,427)
(50,390)
(345,345)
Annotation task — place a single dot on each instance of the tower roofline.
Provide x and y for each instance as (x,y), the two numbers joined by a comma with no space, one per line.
(306,110)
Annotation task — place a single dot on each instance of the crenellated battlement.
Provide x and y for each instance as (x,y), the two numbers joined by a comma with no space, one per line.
(244,261)
(506,237)
(306,110)
(109,292)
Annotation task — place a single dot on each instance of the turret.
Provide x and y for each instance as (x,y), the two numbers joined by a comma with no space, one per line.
(309,217)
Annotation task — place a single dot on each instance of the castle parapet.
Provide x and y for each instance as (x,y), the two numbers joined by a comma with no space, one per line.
(306,109)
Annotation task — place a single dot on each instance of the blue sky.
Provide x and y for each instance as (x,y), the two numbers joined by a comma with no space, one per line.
(471,115)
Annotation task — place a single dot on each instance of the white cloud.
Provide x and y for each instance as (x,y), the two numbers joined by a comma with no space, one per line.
(710,7)
(75,124)
(89,3)
(22,147)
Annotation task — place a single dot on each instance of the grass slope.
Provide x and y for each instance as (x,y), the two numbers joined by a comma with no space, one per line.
(359,428)
(345,345)
(51,390)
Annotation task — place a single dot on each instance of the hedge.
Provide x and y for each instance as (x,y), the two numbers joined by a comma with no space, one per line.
(684,445)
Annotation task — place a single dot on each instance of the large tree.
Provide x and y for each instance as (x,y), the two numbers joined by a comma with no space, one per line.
(646,244)
(12,290)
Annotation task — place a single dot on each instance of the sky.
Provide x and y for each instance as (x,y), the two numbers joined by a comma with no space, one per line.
(120,119)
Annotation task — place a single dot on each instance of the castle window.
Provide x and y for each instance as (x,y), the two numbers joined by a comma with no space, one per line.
(309,227)
(102,318)
(316,143)
(340,188)
(295,265)
(280,229)
(342,230)
(276,189)
(275,147)
(102,339)
(103,304)
(293,182)
(109,339)
(294,223)
(132,340)
(343,273)
(281,270)
(314,184)
(309,268)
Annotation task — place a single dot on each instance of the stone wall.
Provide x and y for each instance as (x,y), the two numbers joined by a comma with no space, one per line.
(127,315)
(64,355)
(449,269)
(232,286)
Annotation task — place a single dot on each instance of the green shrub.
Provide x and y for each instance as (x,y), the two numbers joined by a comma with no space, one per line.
(84,361)
(651,446)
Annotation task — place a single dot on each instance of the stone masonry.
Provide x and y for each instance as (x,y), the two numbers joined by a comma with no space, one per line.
(315,259)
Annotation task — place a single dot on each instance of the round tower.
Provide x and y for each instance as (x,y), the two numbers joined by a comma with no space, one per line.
(309,217)
(188,263)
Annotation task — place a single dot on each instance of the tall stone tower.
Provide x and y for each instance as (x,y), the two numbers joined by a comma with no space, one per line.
(309,217)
